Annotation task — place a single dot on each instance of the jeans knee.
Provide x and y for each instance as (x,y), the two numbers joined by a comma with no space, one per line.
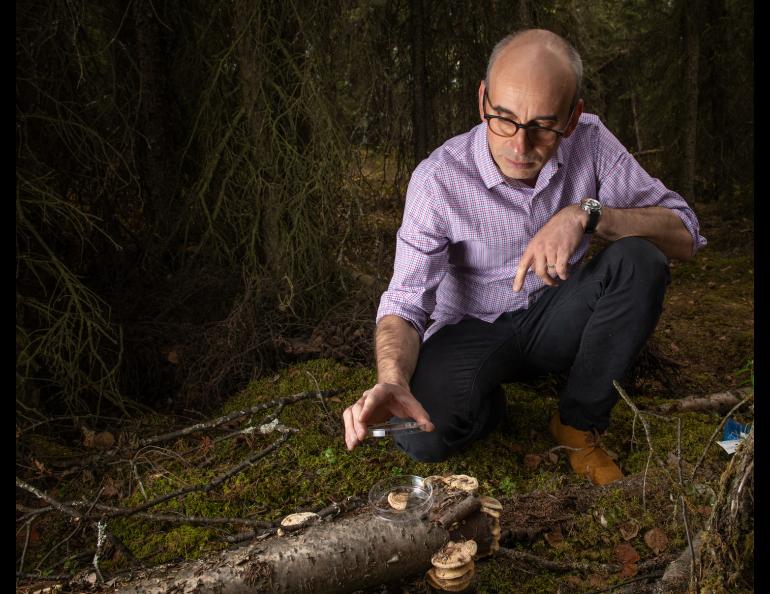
(645,256)
(639,249)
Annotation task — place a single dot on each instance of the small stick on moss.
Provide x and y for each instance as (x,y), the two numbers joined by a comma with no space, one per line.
(31,512)
(649,576)
(653,453)
(236,415)
(101,531)
(559,566)
(65,509)
(249,461)
(334,422)
(28,526)
(179,519)
(46,578)
(684,505)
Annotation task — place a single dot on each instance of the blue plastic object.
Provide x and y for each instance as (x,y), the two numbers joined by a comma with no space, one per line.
(733,430)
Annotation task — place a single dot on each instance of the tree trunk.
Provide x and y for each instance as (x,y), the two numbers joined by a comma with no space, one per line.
(692,35)
(721,134)
(525,17)
(420,112)
(253,54)
(155,148)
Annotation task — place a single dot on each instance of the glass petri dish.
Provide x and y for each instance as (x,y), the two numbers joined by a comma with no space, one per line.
(394,428)
(404,498)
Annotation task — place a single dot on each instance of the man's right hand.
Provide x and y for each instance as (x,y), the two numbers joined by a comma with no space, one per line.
(378,405)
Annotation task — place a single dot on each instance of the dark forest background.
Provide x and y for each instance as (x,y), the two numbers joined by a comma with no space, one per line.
(196,182)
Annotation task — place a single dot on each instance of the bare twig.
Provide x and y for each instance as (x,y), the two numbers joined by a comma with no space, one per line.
(101,529)
(138,479)
(646,427)
(179,519)
(38,576)
(558,566)
(28,525)
(31,511)
(66,509)
(684,505)
(640,578)
(721,401)
(45,497)
(236,415)
(335,423)
(210,485)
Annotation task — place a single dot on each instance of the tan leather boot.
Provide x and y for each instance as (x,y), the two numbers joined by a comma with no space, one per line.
(588,458)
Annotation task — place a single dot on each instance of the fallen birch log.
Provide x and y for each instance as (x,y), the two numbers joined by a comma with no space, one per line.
(362,551)
(349,554)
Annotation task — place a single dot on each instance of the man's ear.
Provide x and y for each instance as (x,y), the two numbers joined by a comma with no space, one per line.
(572,124)
(482,88)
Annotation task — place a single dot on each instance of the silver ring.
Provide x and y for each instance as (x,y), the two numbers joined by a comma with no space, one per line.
(550,265)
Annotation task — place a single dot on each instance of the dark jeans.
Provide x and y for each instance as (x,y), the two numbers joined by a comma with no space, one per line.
(592,326)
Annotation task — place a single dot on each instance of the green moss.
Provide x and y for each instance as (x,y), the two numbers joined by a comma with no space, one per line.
(495,576)
(154,546)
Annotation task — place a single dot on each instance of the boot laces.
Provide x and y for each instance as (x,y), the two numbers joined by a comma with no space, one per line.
(593,439)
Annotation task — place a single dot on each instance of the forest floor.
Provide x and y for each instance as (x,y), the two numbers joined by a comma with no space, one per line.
(706,331)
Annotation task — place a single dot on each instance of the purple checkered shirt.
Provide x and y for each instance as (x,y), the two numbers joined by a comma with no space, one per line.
(465,227)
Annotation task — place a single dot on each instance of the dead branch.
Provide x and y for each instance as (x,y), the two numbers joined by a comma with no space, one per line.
(177,519)
(459,511)
(557,566)
(249,461)
(65,509)
(236,415)
(721,402)
(645,425)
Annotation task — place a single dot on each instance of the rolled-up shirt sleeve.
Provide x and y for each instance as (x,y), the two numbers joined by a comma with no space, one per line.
(623,183)
(421,256)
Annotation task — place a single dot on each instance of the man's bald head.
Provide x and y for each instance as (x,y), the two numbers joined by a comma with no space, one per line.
(541,53)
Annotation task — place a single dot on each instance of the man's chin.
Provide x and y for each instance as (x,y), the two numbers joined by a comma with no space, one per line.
(527,174)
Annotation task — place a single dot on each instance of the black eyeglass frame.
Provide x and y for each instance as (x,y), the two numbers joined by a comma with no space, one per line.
(525,127)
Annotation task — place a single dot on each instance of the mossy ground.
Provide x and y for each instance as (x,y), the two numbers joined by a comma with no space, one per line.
(706,325)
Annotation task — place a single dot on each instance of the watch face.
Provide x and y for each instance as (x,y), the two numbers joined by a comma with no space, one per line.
(590,204)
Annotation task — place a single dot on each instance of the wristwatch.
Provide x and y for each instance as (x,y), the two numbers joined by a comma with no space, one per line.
(594,209)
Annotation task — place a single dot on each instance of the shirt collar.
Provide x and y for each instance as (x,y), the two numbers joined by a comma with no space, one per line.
(490,172)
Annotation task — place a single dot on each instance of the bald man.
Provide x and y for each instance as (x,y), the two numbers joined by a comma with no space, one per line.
(519,197)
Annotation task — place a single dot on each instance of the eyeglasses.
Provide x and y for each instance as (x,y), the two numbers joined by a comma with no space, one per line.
(538,135)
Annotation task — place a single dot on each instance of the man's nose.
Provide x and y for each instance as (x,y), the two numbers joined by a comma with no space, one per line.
(519,142)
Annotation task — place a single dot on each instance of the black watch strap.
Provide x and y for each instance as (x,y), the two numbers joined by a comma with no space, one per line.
(593,220)
(594,209)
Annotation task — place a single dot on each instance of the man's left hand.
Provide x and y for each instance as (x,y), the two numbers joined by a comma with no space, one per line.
(549,251)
